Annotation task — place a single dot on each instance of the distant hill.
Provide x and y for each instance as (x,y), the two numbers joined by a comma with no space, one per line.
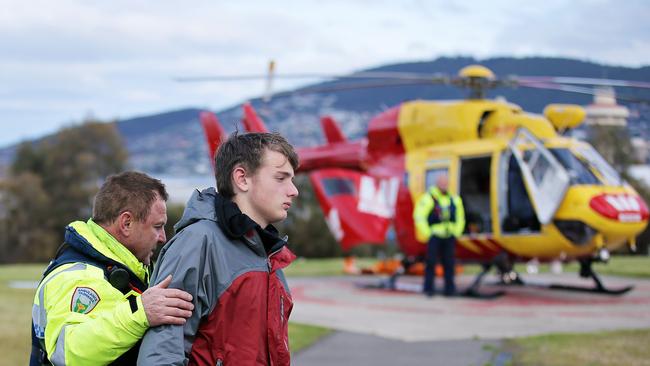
(172,143)
(140,126)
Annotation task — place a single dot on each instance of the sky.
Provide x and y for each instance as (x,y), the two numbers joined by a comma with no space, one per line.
(67,60)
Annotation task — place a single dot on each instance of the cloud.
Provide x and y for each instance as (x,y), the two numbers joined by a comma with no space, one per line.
(117,59)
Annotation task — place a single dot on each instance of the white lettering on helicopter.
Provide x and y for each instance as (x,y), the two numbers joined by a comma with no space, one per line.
(378,199)
(334,224)
(627,206)
(622,217)
(623,202)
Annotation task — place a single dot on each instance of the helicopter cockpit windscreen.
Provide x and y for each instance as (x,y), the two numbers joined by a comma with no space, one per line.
(600,166)
(578,170)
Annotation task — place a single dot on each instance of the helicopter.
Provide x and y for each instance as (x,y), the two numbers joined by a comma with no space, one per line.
(529,191)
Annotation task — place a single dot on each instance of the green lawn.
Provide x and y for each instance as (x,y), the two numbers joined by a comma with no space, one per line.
(16,313)
(624,347)
(626,266)
(303,335)
(302,267)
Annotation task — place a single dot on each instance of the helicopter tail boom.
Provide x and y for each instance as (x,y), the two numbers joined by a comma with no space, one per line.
(357,207)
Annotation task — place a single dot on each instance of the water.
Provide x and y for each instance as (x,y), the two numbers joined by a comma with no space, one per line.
(180,188)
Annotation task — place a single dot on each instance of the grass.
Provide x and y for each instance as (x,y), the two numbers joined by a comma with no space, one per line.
(16,313)
(303,267)
(302,335)
(624,347)
(625,266)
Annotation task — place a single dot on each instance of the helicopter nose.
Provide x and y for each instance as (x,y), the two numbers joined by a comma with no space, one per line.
(622,207)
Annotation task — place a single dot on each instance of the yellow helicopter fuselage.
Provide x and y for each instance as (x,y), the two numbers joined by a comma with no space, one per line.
(526,189)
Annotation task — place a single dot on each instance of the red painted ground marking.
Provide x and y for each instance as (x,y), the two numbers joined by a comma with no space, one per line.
(481,308)
(548,299)
(299,295)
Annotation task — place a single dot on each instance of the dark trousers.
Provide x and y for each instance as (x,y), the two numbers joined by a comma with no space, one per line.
(446,247)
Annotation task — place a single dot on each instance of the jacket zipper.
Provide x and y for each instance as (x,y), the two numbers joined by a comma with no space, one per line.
(268,259)
(282,309)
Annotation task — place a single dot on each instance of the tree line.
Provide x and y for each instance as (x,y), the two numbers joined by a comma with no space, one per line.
(51,183)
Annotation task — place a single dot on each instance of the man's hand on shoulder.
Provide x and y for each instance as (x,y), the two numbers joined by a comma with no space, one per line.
(166,305)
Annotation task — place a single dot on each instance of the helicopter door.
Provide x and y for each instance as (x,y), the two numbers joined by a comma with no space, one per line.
(545,178)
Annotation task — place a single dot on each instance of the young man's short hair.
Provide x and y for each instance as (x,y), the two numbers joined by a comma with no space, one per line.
(128,191)
(247,150)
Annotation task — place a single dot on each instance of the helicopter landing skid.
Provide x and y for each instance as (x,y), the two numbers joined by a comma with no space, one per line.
(475,294)
(599,288)
(473,290)
(586,271)
(596,289)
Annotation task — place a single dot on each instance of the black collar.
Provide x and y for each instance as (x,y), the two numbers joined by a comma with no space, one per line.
(236,225)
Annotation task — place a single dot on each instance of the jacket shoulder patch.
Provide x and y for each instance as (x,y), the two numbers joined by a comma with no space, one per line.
(84,300)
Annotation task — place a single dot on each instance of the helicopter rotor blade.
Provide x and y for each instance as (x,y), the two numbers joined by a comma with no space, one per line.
(580,90)
(381,79)
(583,81)
(430,78)
(352,86)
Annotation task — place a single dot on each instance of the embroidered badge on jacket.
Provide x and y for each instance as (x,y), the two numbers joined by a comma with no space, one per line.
(84,300)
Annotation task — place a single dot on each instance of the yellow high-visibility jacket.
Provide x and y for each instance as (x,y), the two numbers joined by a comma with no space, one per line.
(440,215)
(78,316)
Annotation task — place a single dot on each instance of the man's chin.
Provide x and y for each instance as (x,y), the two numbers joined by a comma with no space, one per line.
(147,260)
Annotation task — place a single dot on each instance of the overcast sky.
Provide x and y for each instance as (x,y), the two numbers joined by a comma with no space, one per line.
(63,60)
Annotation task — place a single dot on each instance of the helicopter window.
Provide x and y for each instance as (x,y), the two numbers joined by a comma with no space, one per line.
(539,166)
(578,171)
(432,176)
(338,186)
(475,193)
(608,174)
(520,215)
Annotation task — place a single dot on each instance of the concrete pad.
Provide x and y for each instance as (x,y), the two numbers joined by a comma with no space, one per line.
(340,304)
(344,348)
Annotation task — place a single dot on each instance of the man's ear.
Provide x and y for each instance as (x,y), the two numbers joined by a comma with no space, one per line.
(125,223)
(239,179)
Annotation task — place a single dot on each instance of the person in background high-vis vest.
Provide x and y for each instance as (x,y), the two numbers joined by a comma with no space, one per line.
(439,216)
(92,306)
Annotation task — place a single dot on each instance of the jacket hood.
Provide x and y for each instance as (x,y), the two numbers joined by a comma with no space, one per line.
(92,240)
(200,206)
(210,205)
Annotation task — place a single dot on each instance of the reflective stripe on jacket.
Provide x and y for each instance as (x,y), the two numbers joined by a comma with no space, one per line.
(78,315)
(241,299)
(439,215)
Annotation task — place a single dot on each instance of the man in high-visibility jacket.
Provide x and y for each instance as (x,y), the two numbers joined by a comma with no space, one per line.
(439,216)
(92,306)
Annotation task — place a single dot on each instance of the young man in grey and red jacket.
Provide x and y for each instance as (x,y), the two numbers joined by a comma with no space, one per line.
(229,257)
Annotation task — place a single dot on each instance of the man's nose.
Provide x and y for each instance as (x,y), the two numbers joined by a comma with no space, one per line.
(162,238)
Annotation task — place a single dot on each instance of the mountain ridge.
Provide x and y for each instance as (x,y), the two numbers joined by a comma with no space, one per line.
(172,142)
